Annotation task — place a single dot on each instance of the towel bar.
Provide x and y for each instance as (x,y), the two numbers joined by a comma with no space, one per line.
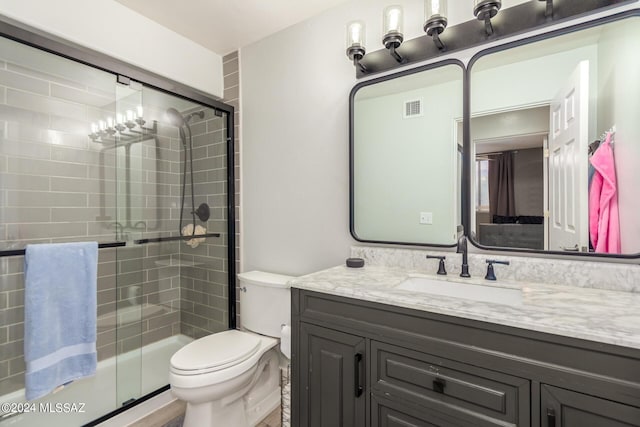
(18,252)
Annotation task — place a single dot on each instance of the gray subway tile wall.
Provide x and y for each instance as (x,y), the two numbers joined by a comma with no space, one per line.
(204,271)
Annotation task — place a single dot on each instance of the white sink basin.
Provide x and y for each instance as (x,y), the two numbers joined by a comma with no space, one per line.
(463,290)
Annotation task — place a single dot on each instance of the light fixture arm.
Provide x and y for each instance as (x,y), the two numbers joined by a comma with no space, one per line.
(549,8)
(488,28)
(437,41)
(434,27)
(392,42)
(356,53)
(396,55)
(484,10)
(357,63)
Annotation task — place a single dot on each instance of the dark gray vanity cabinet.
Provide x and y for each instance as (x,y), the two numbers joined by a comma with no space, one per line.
(570,409)
(335,371)
(357,363)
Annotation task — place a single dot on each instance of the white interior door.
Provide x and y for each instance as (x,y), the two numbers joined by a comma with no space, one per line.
(568,145)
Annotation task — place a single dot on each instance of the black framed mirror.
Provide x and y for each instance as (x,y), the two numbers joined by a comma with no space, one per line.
(554,142)
(406,136)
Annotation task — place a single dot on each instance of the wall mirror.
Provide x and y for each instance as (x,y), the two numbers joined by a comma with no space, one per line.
(405,153)
(555,142)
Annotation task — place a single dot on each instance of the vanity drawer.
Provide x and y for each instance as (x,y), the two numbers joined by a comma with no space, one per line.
(433,381)
(389,413)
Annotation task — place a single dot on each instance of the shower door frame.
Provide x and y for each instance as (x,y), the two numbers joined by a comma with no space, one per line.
(125,73)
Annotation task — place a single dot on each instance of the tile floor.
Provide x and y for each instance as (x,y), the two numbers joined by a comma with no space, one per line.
(172,415)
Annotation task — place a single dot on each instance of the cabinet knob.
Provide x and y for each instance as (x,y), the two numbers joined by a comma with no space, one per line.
(439,385)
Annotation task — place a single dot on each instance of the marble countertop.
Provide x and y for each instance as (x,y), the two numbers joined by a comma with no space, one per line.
(606,316)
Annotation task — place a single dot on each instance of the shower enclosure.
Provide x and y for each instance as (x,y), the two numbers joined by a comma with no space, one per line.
(90,155)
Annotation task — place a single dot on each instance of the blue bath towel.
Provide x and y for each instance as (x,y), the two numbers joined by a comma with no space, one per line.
(60,315)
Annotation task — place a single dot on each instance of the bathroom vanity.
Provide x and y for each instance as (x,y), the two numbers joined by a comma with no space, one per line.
(369,349)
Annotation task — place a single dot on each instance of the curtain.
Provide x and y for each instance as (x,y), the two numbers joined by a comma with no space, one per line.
(501,193)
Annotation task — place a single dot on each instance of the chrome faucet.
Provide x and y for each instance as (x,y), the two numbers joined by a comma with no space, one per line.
(462,249)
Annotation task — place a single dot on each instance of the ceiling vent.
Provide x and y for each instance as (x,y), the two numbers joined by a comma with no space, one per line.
(413,108)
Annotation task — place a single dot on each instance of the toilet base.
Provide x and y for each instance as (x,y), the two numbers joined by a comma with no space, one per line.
(214,414)
(245,404)
(262,409)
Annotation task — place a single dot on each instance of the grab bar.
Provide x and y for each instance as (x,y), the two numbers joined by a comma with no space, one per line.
(172,238)
(18,252)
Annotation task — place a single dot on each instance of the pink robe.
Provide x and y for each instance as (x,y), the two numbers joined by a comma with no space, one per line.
(604,223)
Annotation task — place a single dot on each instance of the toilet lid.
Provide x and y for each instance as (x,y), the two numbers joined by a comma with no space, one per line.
(216,351)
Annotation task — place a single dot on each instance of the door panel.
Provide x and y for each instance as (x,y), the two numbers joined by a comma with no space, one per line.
(333,374)
(568,147)
(564,408)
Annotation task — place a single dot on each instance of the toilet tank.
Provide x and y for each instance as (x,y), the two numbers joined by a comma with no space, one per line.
(265,302)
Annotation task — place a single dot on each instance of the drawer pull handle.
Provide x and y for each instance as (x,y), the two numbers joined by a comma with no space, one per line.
(551,418)
(439,385)
(357,365)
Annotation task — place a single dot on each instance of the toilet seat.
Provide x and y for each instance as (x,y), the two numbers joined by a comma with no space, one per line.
(215,352)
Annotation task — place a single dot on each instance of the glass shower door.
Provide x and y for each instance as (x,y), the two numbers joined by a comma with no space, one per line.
(129,177)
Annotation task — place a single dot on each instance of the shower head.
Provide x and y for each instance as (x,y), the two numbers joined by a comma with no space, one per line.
(200,115)
(175,118)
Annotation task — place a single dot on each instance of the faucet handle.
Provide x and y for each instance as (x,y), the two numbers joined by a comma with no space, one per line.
(491,275)
(441,267)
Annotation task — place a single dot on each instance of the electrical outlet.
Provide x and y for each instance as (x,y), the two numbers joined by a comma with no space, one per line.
(426,217)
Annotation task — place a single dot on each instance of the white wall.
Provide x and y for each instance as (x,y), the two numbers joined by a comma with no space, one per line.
(295,99)
(295,109)
(619,103)
(113,29)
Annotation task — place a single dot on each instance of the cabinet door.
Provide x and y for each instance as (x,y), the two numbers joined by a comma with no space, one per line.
(332,375)
(564,408)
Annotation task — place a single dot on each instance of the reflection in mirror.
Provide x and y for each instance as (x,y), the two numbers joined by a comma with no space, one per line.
(555,143)
(406,160)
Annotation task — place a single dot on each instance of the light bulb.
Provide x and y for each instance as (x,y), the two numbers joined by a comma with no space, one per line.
(355,34)
(129,114)
(102,125)
(435,8)
(392,19)
(94,128)
(109,122)
(139,110)
(119,118)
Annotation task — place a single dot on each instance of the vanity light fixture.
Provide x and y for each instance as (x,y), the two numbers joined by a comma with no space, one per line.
(484,10)
(127,126)
(521,18)
(435,20)
(392,21)
(355,43)
(549,10)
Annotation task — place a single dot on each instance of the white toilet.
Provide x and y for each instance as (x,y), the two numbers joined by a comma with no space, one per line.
(232,378)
